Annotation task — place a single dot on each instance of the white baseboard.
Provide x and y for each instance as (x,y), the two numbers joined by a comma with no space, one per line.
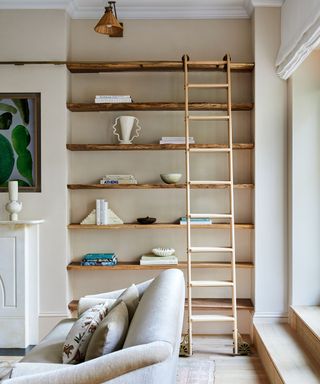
(270,317)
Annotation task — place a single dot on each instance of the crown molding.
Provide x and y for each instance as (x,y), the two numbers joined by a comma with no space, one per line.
(147,9)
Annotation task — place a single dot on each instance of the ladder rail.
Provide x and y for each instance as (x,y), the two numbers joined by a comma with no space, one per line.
(187,158)
(231,196)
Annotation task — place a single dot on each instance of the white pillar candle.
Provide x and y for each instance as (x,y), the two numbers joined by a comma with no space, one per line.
(13,190)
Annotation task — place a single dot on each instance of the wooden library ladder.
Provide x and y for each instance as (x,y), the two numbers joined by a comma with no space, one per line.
(191,250)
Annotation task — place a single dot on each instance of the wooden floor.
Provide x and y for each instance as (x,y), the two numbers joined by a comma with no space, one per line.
(229,369)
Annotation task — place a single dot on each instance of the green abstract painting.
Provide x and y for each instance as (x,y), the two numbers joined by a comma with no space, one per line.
(20,140)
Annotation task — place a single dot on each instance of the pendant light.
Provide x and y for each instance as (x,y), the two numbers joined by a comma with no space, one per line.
(109,23)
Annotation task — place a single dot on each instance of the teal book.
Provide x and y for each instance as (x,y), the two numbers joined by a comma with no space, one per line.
(98,256)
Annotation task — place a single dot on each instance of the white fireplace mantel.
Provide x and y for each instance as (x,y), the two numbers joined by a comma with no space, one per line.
(19,283)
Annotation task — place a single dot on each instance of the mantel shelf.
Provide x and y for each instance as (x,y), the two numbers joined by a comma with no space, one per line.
(156,106)
(150,147)
(201,304)
(157,186)
(153,66)
(159,226)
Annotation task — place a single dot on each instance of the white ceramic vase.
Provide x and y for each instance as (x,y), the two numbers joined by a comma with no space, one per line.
(126,125)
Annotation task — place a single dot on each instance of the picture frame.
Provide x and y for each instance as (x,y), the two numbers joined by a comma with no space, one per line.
(20,141)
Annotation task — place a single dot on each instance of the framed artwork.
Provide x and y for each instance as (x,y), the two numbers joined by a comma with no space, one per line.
(20,142)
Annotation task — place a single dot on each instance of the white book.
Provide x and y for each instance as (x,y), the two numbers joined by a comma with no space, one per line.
(104,212)
(164,262)
(111,182)
(176,138)
(98,211)
(112,101)
(112,96)
(176,142)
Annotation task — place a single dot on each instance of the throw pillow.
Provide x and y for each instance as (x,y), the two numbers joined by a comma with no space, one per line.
(75,346)
(110,334)
(131,298)
(88,302)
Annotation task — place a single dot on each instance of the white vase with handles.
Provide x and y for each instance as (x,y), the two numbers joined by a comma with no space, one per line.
(126,125)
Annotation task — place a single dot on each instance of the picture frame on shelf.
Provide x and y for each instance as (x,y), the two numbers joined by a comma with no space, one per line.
(20,141)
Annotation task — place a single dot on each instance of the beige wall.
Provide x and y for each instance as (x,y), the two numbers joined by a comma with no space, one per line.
(144,40)
(147,40)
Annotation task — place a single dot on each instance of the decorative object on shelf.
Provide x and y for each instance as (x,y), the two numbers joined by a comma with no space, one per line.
(195,221)
(151,259)
(99,259)
(91,218)
(20,140)
(109,23)
(118,179)
(126,125)
(162,252)
(14,206)
(146,220)
(170,178)
(100,99)
(175,140)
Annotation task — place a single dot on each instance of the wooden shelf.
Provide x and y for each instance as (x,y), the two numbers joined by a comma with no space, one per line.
(201,305)
(125,266)
(150,147)
(157,186)
(155,106)
(158,226)
(152,66)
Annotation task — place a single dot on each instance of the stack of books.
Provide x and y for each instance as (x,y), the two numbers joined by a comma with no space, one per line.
(99,259)
(118,179)
(176,140)
(151,259)
(101,212)
(205,220)
(113,99)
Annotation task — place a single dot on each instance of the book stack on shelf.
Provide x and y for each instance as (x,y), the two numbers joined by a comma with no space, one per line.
(175,140)
(112,99)
(151,259)
(101,212)
(99,259)
(118,179)
(194,221)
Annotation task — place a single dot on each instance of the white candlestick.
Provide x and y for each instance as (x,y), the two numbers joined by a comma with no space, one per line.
(13,190)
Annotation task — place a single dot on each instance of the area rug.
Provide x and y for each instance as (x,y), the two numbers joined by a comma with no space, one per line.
(195,371)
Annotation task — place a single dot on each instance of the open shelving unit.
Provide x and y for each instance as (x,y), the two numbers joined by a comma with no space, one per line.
(201,304)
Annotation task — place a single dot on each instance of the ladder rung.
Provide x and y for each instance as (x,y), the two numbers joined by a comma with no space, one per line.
(207,62)
(207,283)
(211,182)
(210,249)
(210,150)
(208,85)
(213,318)
(210,216)
(223,117)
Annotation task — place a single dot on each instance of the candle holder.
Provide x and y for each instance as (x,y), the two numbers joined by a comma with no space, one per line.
(14,206)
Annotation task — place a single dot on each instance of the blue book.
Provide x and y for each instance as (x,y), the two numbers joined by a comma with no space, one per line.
(101,263)
(100,256)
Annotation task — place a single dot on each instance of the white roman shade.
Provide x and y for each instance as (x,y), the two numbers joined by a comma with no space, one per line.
(300,34)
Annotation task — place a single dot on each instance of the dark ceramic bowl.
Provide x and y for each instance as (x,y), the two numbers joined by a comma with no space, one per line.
(146,220)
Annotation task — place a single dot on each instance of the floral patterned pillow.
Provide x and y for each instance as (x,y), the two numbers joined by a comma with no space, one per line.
(75,346)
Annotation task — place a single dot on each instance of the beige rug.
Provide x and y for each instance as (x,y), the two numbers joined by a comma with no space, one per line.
(195,371)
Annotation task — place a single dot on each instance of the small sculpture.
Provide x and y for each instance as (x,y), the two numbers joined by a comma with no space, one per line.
(14,206)
(126,125)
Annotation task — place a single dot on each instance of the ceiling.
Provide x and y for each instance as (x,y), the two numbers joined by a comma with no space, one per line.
(149,9)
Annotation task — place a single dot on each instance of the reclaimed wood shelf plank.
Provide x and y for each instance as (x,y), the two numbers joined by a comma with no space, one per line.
(152,66)
(159,226)
(202,304)
(152,147)
(157,186)
(156,106)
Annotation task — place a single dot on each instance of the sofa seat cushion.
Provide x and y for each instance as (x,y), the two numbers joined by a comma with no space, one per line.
(50,348)
(110,334)
(77,341)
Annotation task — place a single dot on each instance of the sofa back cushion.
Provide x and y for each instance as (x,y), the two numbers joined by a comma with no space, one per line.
(159,315)
(110,334)
(130,297)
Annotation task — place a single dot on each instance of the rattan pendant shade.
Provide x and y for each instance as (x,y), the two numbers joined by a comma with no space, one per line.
(108,24)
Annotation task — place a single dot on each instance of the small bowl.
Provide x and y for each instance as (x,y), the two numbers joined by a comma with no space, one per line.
(146,220)
(170,178)
(163,251)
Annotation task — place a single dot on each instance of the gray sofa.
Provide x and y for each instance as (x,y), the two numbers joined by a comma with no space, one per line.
(149,355)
